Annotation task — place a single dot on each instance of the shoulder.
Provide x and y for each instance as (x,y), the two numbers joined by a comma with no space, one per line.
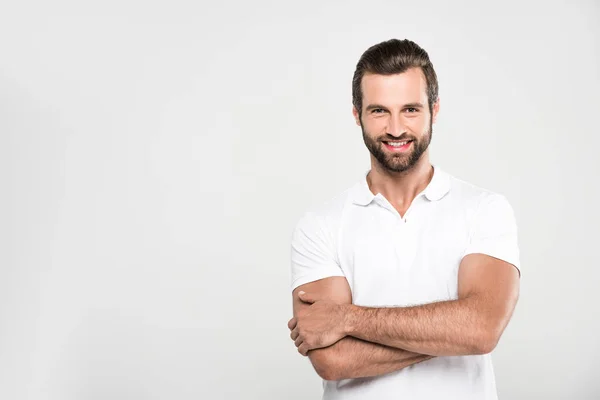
(483,208)
(474,196)
(328,213)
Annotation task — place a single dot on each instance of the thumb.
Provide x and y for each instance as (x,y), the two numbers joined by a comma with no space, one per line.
(305,297)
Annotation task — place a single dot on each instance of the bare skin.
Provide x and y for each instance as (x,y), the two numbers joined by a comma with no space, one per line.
(488,290)
(349,357)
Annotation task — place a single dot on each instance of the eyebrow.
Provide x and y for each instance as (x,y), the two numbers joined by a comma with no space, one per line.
(409,105)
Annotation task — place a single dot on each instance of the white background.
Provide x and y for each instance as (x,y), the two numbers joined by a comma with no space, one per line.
(154,158)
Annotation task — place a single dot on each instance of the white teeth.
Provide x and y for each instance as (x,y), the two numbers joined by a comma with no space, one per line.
(397,144)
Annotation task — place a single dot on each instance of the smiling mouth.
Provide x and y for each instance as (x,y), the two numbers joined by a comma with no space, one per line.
(398,145)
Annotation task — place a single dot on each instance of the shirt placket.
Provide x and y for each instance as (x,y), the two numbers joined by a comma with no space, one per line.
(404,235)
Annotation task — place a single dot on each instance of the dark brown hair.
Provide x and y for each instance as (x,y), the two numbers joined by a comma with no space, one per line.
(394,57)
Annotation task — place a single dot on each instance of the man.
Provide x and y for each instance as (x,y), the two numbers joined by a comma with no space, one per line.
(403,284)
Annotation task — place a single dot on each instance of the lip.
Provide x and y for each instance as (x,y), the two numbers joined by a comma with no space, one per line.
(398,149)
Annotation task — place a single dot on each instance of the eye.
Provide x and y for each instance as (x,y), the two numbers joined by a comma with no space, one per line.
(411,110)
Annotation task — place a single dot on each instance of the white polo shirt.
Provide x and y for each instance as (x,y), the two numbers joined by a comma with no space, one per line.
(391,260)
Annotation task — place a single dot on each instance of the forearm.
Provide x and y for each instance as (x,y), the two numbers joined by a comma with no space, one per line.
(356,358)
(447,328)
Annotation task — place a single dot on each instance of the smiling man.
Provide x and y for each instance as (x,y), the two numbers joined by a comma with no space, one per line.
(403,284)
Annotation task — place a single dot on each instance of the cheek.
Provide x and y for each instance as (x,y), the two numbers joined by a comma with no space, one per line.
(418,124)
(375,126)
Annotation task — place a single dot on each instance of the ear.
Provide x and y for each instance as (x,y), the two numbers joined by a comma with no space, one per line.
(435,110)
(356,115)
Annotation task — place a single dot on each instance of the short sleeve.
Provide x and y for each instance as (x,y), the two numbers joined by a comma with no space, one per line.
(312,251)
(495,230)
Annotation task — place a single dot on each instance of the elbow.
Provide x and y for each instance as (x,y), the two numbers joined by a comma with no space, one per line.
(329,374)
(325,364)
(490,326)
(486,345)
(487,340)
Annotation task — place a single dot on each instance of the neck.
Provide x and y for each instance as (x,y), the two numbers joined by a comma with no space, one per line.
(400,188)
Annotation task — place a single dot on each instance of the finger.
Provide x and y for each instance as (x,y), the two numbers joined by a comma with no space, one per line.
(294,334)
(292,323)
(298,341)
(303,349)
(305,297)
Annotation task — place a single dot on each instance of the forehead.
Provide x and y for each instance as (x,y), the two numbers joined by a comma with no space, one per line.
(409,86)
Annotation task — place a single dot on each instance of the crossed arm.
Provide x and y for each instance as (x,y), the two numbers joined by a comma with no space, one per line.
(350,357)
(347,341)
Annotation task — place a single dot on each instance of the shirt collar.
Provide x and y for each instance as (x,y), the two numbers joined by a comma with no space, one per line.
(435,190)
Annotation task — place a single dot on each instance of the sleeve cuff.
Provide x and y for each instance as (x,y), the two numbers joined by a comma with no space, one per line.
(313,277)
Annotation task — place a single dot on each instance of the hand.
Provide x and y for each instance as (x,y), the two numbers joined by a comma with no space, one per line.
(320,325)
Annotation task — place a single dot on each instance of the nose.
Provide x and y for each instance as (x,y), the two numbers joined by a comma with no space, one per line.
(395,127)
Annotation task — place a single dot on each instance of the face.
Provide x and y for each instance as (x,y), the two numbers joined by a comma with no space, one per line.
(395,119)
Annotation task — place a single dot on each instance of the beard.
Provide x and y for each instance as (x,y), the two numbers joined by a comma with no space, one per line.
(401,162)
